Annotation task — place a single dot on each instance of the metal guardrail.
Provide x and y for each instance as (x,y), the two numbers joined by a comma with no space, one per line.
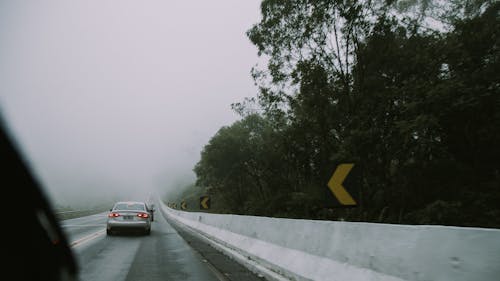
(64,215)
(68,212)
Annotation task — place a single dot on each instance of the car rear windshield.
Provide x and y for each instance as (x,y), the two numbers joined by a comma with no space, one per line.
(129,206)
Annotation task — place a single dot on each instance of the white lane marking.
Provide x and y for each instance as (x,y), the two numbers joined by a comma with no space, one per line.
(87,238)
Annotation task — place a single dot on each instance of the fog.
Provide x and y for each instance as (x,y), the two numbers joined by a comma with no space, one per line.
(115,99)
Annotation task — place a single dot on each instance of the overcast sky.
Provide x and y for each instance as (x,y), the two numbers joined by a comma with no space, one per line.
(119,97)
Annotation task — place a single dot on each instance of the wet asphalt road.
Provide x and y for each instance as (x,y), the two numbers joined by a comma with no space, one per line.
(163,255)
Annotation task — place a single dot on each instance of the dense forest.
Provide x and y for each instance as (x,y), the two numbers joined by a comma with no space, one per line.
(409,91)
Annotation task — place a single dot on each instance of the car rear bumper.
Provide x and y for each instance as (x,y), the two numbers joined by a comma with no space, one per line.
(128,224)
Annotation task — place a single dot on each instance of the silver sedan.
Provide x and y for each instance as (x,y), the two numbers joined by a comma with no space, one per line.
(129,215)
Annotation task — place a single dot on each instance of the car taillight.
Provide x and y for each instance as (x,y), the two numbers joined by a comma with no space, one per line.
(143,215)
(113,215)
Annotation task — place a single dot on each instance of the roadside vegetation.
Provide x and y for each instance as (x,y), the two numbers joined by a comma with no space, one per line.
(409,91)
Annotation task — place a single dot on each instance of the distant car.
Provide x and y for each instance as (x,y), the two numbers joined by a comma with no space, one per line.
(129,216)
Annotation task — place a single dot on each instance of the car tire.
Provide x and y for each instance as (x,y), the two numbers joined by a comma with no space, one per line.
(147,231)
(109,232)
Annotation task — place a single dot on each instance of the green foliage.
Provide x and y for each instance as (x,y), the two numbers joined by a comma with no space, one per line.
(417,110)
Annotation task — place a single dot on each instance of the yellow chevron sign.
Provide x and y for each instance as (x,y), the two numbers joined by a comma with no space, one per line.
(183,205)
(335,184)
(205,202)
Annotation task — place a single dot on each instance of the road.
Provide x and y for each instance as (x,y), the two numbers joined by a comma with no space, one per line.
(163,255)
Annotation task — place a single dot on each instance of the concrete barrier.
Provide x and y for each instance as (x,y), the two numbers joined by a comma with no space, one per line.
(331,250)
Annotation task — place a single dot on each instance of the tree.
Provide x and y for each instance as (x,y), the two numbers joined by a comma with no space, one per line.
(416,108)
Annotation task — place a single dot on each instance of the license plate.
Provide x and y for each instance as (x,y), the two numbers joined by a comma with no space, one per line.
(128,217)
